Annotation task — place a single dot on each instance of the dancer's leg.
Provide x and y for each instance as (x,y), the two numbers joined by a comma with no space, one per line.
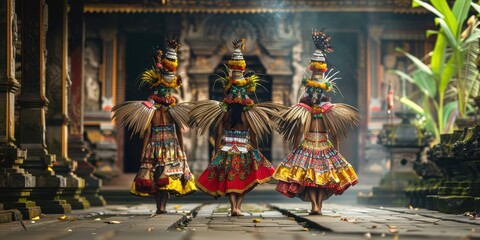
(240,198)
(166,196)
(320,197)
(161,198)
(233,203)
(313,198)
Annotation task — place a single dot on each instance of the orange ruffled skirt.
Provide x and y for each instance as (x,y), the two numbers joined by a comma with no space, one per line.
(315,163)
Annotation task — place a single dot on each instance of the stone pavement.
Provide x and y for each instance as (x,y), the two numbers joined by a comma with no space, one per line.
(396,223)
(198,221)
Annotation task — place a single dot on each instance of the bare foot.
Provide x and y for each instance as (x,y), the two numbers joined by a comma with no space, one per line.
(236,213)
(316,212)
(161,211)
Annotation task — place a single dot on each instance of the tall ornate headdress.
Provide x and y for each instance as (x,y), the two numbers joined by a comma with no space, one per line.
(321,80)
(338,117)
(238,84)
(162,76)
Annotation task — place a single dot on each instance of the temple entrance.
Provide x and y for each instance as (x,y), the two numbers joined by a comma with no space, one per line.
(345,59)
(138,47)
(262,94)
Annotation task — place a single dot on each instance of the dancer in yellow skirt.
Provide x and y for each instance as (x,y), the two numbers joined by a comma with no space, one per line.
(159,121)
(315,169)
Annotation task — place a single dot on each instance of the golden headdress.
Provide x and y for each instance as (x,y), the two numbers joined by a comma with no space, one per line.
(337,117)
(162,78)
(208,113)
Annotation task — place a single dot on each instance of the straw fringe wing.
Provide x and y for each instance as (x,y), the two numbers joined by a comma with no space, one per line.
(134,115)
(341,118)
(206,114)
(292,121)
(180,114)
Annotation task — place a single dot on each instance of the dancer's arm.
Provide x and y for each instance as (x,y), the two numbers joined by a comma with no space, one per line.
(335,141)
(218,137)
(332,135)
(179,136)
(253,139)
(298,137)
(146,138)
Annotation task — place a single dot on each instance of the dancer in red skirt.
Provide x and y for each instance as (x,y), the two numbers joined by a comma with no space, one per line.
(315,169)
(237,166)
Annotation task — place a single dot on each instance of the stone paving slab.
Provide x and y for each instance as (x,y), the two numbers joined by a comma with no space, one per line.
(212,221)
(384,221)
(435,214)
(108,221)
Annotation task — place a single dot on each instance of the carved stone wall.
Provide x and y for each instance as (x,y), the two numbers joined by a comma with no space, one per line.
(269,37)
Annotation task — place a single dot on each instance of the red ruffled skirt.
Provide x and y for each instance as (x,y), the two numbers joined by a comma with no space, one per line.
(235,172)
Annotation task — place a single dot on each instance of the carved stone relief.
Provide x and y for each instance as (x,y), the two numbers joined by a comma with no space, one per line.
(92,77)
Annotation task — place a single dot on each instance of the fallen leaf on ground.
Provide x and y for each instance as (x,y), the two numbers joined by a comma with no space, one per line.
(396,237)
(305,229)
(177,206)
(348,220)
(392,230)
(36,218)
(469,214)
(256,220)
(62,218)
(113,222)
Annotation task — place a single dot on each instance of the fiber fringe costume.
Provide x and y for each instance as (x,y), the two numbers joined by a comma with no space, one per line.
(315,162)
(237,167)
(164,165)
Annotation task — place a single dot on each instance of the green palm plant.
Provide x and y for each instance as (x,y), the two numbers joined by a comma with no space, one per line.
(446,63)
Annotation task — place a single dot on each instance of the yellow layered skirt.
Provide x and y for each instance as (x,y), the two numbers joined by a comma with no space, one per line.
(314,163)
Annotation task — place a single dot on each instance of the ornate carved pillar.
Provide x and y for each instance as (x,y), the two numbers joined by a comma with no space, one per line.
(202,66)
(33,104)
(77,147)
(15,183)
(57,92)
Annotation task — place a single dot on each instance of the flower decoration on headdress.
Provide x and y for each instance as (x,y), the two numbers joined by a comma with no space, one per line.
(238,83)
(322,79)
(162,76)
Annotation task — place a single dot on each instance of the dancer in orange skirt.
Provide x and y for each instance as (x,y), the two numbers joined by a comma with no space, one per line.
(159,121)
(238,166)
(315,169)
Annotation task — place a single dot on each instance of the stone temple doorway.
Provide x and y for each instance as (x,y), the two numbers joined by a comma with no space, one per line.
(138,47)
(262,94)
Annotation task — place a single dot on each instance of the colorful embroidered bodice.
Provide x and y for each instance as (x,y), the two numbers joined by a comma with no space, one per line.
(236,140)
(316,137)
(162,133)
